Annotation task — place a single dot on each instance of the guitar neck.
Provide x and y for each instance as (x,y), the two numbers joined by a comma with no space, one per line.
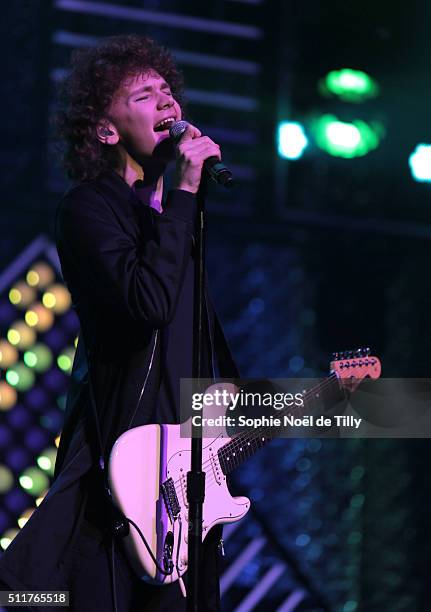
(243,445)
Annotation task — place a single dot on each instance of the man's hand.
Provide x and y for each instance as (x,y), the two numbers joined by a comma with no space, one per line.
(192,150)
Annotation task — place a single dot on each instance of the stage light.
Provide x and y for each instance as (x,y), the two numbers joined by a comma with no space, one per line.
(303,539)
(41,497)
(32,278)
(57,440)
(21,295)
(40,275)
(12,377)
(46,460)
(20,335)
(8,354)
(39,358)
(8,396)
(7,537)
(48,299)
(25,516)
(31,318)
(349,85)
(346,139)
(291,140)
(30,359)
(34,481)
(17,458)
(20,377)
(420,163)
(14,296)
(65,360)
(39,317)
(6,479)
(57,298)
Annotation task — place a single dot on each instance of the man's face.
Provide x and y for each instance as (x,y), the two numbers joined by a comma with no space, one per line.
(137,110)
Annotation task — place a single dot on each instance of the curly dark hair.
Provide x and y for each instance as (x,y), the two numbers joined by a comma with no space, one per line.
(97,73)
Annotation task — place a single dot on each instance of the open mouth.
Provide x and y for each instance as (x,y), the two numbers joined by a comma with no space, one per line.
(164,124)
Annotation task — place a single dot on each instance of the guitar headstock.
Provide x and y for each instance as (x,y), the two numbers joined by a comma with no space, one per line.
(351,367)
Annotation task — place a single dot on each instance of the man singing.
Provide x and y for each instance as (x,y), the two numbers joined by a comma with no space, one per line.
(126,251)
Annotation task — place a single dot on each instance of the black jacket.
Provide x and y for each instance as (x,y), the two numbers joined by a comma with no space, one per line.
(124,264)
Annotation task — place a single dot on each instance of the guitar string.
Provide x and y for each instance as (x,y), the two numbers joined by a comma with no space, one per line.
(251,438)
(212,477)
(309,397)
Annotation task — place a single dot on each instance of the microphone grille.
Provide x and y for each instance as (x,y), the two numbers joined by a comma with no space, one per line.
(177,129)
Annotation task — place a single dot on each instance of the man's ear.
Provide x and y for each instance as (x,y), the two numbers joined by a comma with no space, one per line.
(107,133)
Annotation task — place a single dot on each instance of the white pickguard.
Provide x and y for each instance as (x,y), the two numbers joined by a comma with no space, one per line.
(141,460)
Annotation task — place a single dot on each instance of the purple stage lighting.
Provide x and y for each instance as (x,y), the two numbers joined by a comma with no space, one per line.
(55,339)
(36,439)
(16,501)
(55,381)
(5,436)
(37,399)
(19,417)
(18,459)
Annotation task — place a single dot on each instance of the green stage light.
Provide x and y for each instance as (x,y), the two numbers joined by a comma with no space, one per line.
(46,460)
(12,378)
(346,139)
(20,377)
(349,85)
(34,481)
(38,358)
(65,360)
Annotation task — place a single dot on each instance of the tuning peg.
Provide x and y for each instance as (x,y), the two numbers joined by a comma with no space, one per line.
(367,352)
(335,356)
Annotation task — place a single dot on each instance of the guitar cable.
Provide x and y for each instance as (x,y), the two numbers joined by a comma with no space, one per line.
(150,552)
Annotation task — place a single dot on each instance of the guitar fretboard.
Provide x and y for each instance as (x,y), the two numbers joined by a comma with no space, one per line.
(243,445)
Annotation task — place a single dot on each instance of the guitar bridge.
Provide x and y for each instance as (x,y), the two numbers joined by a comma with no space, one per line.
(171,499)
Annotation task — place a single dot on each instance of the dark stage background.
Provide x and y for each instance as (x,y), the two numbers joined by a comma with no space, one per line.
(306,257)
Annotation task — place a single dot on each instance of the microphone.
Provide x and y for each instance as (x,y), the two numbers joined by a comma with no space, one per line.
(215,168)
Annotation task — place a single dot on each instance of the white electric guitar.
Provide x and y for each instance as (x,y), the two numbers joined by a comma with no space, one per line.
(148,473)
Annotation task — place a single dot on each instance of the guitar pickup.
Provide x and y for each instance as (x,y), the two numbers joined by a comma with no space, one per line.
(170,498)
